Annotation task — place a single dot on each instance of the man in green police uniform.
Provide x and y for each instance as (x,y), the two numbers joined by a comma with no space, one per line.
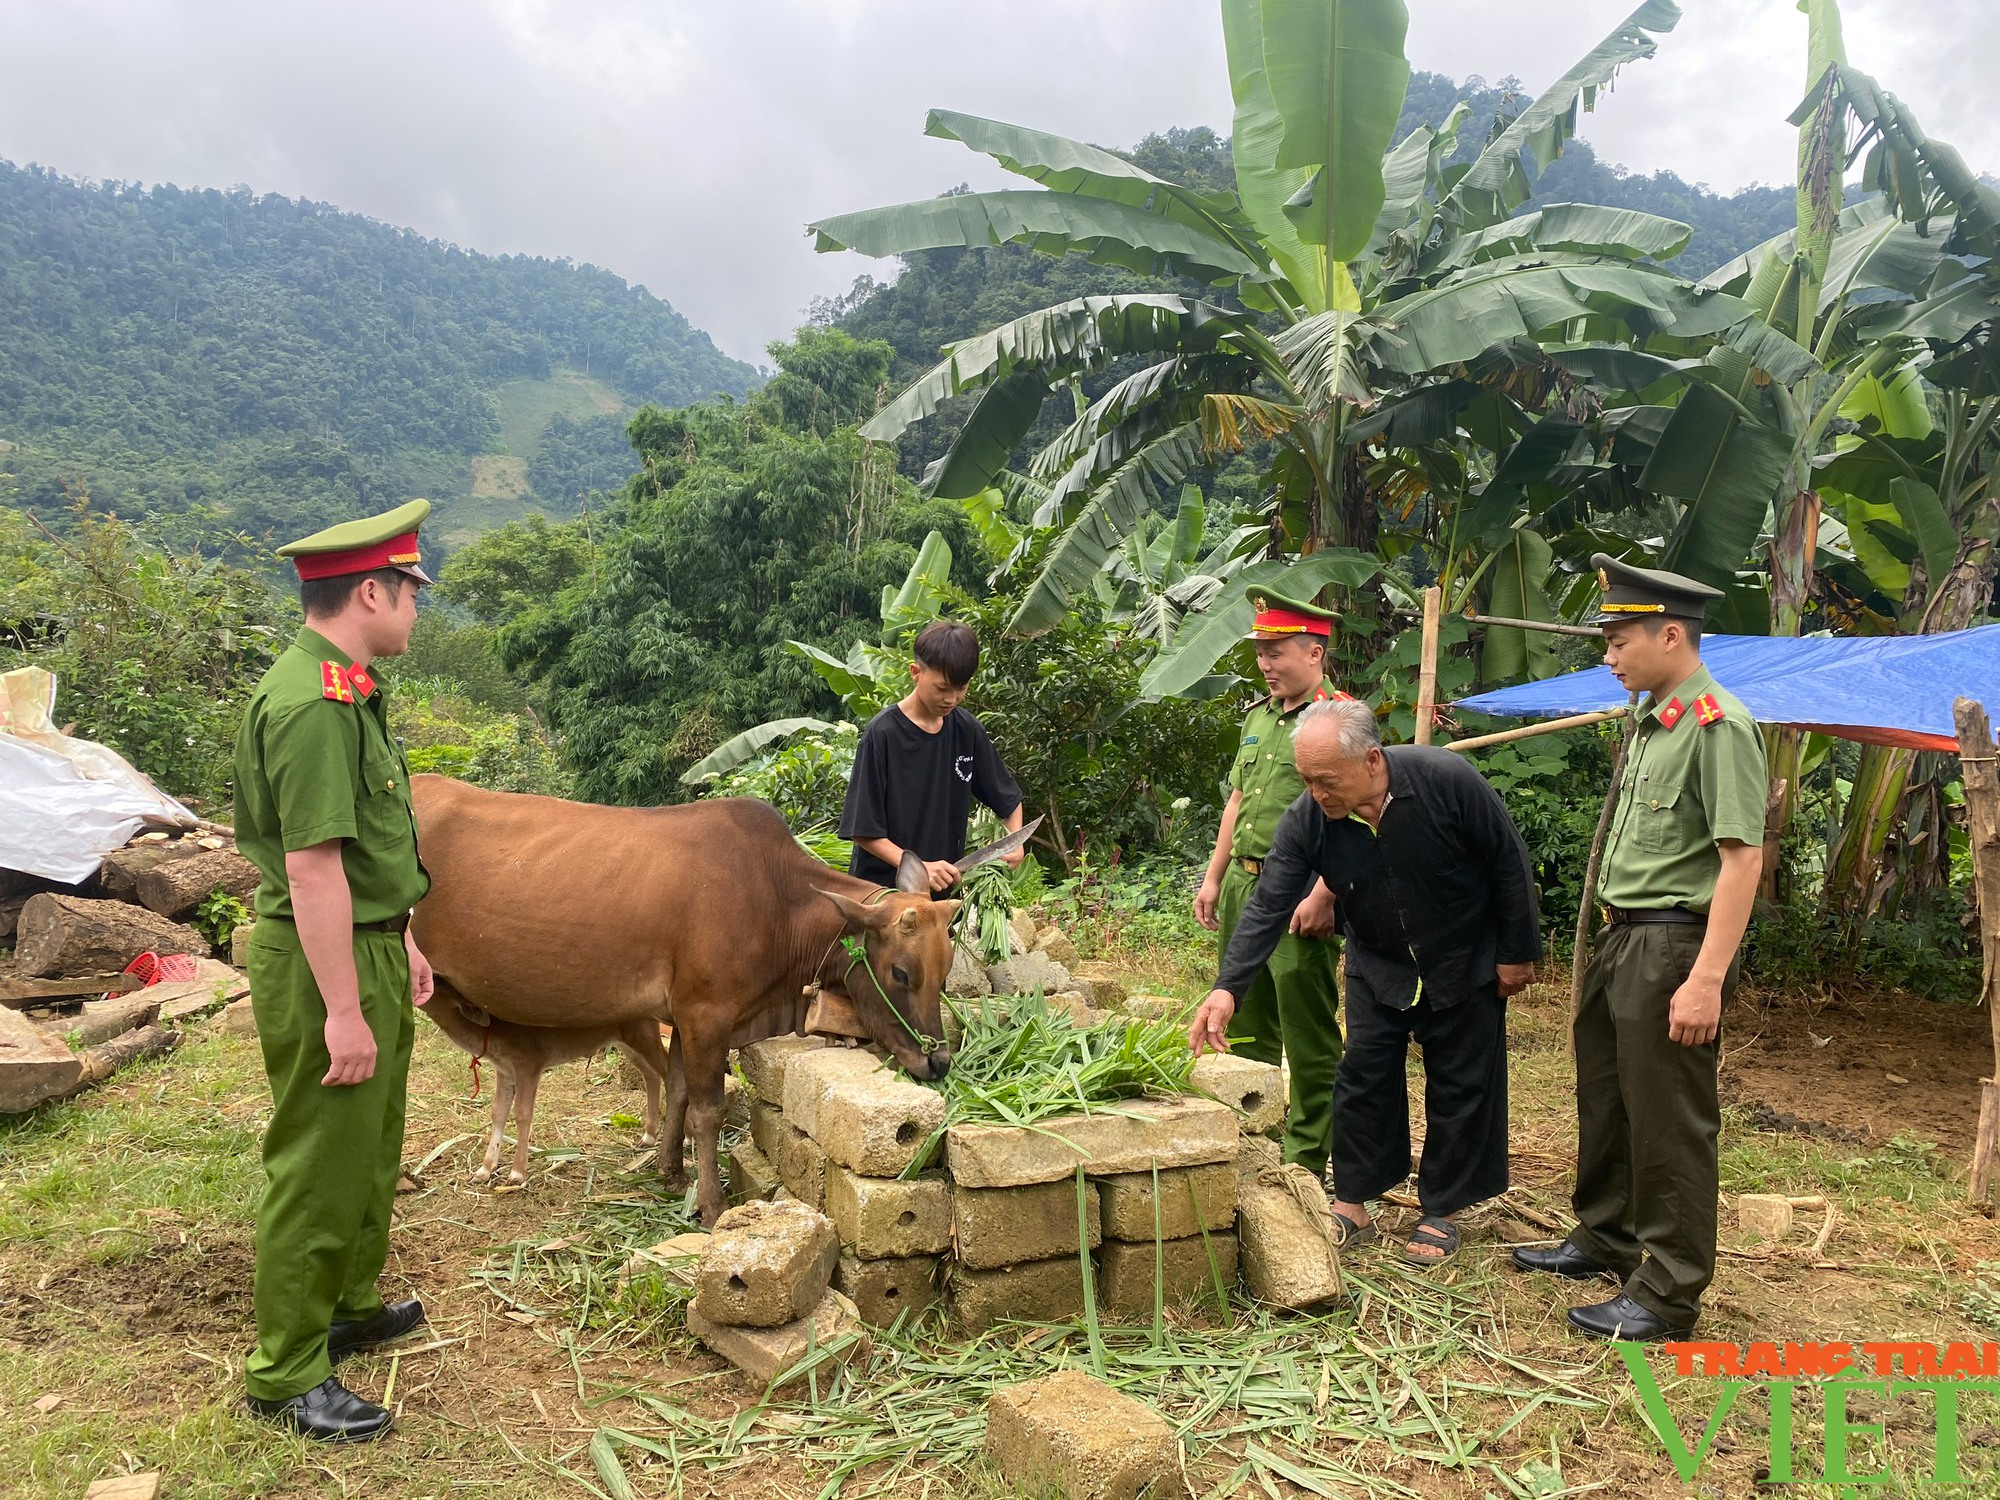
(323,810)
(1292,1007)
(1679,876)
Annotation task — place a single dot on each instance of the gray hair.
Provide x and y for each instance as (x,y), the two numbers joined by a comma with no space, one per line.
(1351,720)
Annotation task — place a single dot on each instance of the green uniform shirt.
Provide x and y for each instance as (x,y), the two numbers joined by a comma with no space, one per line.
(1264,773)
(312,767)
(1695,774)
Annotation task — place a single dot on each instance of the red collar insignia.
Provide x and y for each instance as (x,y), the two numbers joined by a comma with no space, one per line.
(1671,714)
(1707,711)
(364,685)
(333,683)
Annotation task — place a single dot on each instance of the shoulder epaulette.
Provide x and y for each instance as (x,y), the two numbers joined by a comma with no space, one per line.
(1707,711)
(333,683)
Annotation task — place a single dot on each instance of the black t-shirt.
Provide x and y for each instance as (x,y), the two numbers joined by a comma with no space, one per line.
(917,788)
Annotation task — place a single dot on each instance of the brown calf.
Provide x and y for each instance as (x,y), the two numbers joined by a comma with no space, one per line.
(520,1053)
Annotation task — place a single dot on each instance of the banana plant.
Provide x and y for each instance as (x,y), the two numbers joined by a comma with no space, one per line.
(1161,572)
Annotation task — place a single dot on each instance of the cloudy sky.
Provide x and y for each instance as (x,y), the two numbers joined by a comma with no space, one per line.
(684,145)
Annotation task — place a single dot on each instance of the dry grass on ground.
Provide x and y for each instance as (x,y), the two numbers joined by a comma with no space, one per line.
(125,1263)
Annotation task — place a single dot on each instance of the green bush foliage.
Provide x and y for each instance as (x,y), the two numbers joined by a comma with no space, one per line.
(446,731)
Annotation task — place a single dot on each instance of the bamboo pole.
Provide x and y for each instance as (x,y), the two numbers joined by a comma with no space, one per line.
(1977,757)
(1547,627)
(1546,726)
(1588,899)
(1427,671)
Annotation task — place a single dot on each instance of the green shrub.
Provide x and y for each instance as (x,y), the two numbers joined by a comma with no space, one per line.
(445,731)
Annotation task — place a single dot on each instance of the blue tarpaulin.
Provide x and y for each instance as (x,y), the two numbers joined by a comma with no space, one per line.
(1882,690)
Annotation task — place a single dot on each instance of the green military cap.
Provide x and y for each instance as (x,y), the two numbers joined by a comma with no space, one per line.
(1632,593)
(1279,616)
(385,541)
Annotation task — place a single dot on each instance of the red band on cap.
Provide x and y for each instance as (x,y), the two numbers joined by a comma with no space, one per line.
(396,552)
(1290,622)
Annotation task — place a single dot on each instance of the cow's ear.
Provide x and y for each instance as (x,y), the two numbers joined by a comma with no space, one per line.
(859,917)
(912,875)
(947,910)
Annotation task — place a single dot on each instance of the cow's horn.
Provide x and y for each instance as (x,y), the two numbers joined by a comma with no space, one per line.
(908,920)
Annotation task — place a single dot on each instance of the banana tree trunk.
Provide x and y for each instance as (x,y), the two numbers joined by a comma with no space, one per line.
(1794,545)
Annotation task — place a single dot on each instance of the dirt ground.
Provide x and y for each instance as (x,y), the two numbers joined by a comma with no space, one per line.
(125,1271)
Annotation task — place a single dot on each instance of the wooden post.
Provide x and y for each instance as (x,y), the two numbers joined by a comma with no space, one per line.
(1977,756)
(1427,670)
(1547,726)
(1588,897)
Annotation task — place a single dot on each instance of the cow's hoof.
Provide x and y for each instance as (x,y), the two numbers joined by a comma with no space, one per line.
(675,1182)
(516,1179)
(649,1139)
(482,1175)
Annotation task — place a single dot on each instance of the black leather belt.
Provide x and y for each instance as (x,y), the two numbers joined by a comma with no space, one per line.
(399,923)
(1677,916)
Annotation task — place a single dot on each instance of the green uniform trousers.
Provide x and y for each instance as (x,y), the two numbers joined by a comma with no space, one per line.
(1647,1122)
(331,1154)
(1293,1011)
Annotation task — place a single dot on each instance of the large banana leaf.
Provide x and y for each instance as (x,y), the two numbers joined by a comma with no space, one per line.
(1107,232)
(1725,467)
(1907,164)
(1261,183)
(1581,228)
(1057,341)
(1923,517)
(916,602)
(1337,76)
(1323,353)
(747,746)
(1206,638)
(1113,512)
(994,428)
(1477,309)
(1515,591)
(1497,184)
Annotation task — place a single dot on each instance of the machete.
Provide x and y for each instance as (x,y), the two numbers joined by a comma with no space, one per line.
(912,877)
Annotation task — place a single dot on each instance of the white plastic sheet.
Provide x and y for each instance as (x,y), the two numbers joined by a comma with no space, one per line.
(64,802)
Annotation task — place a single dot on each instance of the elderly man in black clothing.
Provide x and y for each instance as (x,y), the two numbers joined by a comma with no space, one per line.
(1436,896)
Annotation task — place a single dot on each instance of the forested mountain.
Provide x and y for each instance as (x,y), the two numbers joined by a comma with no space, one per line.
(260,361)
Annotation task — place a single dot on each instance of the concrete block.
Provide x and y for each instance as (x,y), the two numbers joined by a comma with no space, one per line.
(801,1164)
(678,1258)
(748,1174)
(810,1075)
(1125,1272)
(1054,942)
(1074,1433)
(1029,971)
(877,1124)
(1048,1291)
(968,974)
(763,1063)
(1255,1090)
(1108,987)
(1191,1199)
(884,1289)
(766,1264)
(1139,1135)
(239,944)
(1767,1216)
(767,1123)
(766,1353)
(1005,1226)
(1287,1262)
(1254,1153)
(882,1218)
(735,1102)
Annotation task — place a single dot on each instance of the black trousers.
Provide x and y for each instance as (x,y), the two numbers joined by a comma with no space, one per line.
(1647,1122)
(1465,1099)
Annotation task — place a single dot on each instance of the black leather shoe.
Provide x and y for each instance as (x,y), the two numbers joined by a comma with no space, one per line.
(1564,1260)
(328,1413)
(1622,1318)
(392,1322)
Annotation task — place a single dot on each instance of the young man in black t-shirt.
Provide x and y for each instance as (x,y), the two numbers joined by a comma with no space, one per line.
(919,765)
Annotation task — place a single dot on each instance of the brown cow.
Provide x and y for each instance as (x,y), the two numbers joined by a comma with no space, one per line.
(710,915)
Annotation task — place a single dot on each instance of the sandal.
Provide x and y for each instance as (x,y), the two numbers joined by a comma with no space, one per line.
(1347,1233)
(1437,1233)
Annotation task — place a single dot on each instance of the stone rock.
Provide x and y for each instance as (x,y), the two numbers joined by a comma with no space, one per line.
(1255,1090)
(1158,1007)
(1287,1261)
(749,1174)
(1054,942)
(766,1264)
(763,1063)
(1072,1432)
(810,1075)
(1108,988)
(1191,1199)
(801,1164)
(832,1329)
(883,1290)
(1254,1153)
(239,944)
(1029,971)
(885,1219)
(1140,1135)
(878,1123)
(1021,932)
(678,1259)
(1767,1216)
(237,1019)
(968,975)
(1005,1226)
(1125,1272)
(1042,1291)
(1076,1005)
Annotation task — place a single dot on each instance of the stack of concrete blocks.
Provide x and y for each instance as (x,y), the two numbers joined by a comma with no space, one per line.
(762,1295)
